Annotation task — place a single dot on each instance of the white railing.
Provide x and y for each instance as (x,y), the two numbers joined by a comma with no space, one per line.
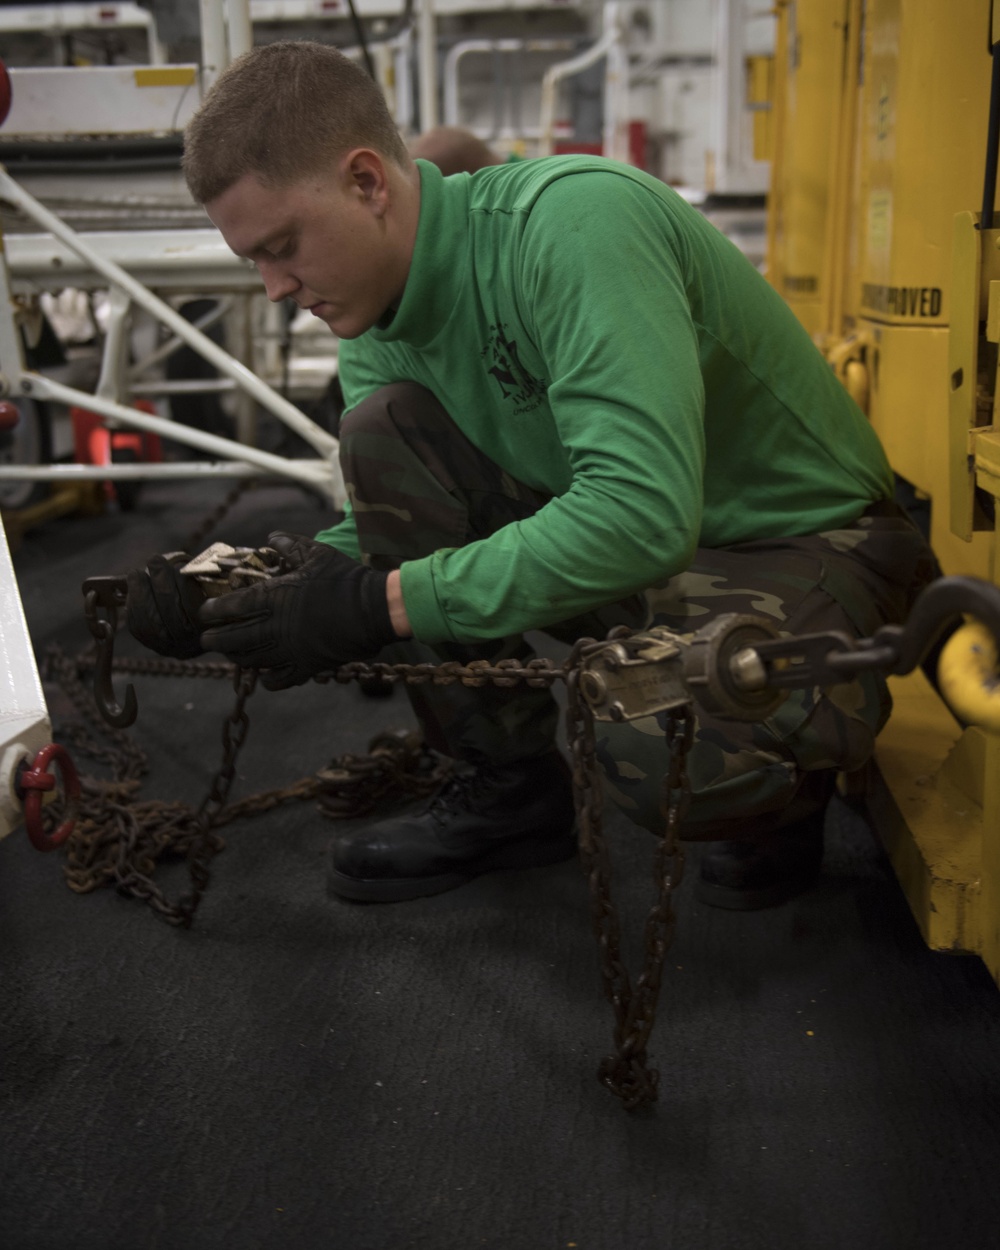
(510,50)
(110,399)
(611,47)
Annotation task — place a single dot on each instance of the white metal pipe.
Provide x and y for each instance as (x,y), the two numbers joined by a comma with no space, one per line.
(286,412)
(451,85)
(318,472)
(11,346)
(172,344)
(427,57)
(452,61)
(109,384)
(614,139)
(566,69)
(213,42)
(157,52)
(58,473)
(402,51)
(726,24)
(183,386)
(239,27)
(239,344)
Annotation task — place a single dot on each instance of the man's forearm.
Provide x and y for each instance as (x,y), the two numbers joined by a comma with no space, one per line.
(397,608)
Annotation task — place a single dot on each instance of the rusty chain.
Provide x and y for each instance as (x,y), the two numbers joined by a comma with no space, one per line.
(119,839)
(398,764)
(626,1072)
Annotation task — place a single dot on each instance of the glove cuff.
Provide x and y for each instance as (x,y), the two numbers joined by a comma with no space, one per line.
(375,606)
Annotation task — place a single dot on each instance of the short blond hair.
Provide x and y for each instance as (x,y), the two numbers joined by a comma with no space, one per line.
(283,111)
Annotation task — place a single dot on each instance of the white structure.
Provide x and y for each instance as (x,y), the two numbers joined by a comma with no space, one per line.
(24,717)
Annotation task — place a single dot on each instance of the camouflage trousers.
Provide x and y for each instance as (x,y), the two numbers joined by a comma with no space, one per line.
(417,484)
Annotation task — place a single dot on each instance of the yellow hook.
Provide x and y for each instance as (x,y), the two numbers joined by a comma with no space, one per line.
(969,677)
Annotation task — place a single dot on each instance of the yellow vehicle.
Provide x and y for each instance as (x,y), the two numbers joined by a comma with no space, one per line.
(881,238)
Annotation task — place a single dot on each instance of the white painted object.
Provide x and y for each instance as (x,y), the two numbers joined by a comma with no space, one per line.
(24,717)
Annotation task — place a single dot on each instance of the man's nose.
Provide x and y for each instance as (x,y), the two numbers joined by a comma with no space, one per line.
(278,282)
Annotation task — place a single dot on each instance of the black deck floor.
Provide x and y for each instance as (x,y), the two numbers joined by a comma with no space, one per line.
(304,1073)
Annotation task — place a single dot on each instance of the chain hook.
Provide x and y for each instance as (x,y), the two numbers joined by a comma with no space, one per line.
(109,593)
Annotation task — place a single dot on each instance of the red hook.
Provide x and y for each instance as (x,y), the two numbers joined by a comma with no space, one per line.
(29,786)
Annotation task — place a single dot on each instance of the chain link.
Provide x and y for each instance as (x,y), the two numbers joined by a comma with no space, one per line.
(146,666)
(626,1072)
(120,839)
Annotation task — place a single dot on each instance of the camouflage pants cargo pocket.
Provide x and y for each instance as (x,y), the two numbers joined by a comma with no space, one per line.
(418,485)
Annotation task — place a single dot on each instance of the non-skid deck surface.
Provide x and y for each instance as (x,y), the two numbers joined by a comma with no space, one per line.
(297,1073)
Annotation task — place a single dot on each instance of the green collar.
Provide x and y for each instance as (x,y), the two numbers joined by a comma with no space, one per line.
(429,296)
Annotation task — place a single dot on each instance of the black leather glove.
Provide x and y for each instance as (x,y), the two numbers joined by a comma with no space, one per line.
(327,611)
(162,608)
(294,549)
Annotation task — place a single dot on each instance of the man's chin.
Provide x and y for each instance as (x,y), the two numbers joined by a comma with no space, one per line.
(343,325)
(345,329)
(331,323)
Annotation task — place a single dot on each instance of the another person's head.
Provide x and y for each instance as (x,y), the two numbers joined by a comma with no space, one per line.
(454,150)
(299,164)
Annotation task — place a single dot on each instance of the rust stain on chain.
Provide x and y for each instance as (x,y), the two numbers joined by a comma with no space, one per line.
(119,839)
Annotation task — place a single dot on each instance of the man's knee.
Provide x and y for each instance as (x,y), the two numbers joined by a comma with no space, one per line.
(749,777)
(390,411)
(740,786)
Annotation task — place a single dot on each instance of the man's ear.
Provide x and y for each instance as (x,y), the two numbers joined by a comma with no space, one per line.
(366,175)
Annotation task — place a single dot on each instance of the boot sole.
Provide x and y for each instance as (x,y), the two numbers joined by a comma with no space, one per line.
(529,853)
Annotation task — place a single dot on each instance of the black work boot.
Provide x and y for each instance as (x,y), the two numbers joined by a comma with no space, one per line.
(763,871)
(517,815)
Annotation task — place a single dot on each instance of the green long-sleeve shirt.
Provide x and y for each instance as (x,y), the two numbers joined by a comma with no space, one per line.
(600,340)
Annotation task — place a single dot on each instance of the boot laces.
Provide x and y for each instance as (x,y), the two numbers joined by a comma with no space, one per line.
(463,792)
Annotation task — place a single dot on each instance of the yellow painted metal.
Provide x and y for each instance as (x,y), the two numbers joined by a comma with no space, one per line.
(924,286)
(923,128)
(773,259)
(843,176)
(976,259)
(166,76)
(931,827)
(967,673)
(933,796)
(86,498)
(919,150)
(993,313)
(909,393)
(902,115)
(937,800)
(809,70)
(925,105)
(986,457)
(923,135)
